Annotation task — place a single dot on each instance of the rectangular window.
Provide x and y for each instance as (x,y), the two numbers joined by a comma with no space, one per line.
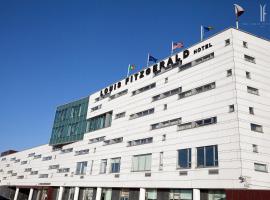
(256,128)
(197,90)
(95,140)
(248,76)
(231,108)
(66,150)
(63,170)
(184,158)
(96,108)
(76,111)
(103,166)
(73,129)
(229,72)
(142,113)
(252,90)
(167,123)
(143,89)
(165,107)
(43,176)
(82,152)
(115,165)
(37,156)
(227,42)
(167,94)
(198,123)
(81,168)
(160,161)
(24,162)
(46,158)
(28,169)
(166,80)
(53,167)
(34,173)
(251,110)
(140,141)
(99,122)
(255,148)
(249,58)
(102,97)
(207,156)
(141,162)
(113,141)
(120,115)
(245,44)
(119,94)
(260,167)
(151,194)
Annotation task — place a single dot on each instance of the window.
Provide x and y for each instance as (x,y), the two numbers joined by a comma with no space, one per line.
(142,113)
(252,90)
(103,166)
(197,90)
(119,94)
(113,141)
(20,177)
(160,161)
(245,45)
(177,194)
(66,150)
(24,162)
(251,110)
(248,75)
(255,148)
(184,158)
(143,89)
(43,176)
(34,173)
(115,165)
(37,156)
(28,169)
(76,111)
(46,158)
(53,167)
(151,194)
(99,122)
(260,167)
(98,139)
(140,141)
(63,170)
(17,160)
(82,152)
(207,156)
(166,80)
(196,62)
(163,137)
(231,108)
(229,72)
(167,123)
(96,108)
(81,168)
(167,94)
(256,127)
(3,159)
(141,162)
(102,97)
(227,42)
(198,123)
(120,115)
(165,107)
(249,58)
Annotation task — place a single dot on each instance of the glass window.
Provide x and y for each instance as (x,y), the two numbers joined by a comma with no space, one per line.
(207,156)
(115,165)
(151,194)
(245,44)
(252,90)
(141,162)
(229,72)
(227,42)
(249,58)
(248,76)
(231,108)
(86,194)
(184,158)
(103,166)
(256,128)
(81,168)
(251,110)
(177,194)
(255,148)
(260,167)
(98,122)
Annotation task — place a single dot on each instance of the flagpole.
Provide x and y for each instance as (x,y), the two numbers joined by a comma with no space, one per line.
(128,70)
(202,34)
(147,60)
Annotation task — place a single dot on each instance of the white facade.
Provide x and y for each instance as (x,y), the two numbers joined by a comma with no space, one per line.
(232,133)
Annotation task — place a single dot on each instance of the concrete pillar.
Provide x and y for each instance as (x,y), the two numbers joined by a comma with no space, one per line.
(98,194)
(76,193)
(60,194)
(16,194)
(196,194)
(30,194)
(142,194)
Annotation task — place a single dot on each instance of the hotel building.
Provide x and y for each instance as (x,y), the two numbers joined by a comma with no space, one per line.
(195,125)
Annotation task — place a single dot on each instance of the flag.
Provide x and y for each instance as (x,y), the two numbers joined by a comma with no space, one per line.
(131,67)
(177,45)
(208,28)
(152,58)
(238,10)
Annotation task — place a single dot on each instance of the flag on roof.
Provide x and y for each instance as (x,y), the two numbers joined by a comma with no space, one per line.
(177,45)
(131,67)
(238,10)
(208,28)
(152,58)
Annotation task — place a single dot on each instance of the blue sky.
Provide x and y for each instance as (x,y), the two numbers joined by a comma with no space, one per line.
(53,52)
